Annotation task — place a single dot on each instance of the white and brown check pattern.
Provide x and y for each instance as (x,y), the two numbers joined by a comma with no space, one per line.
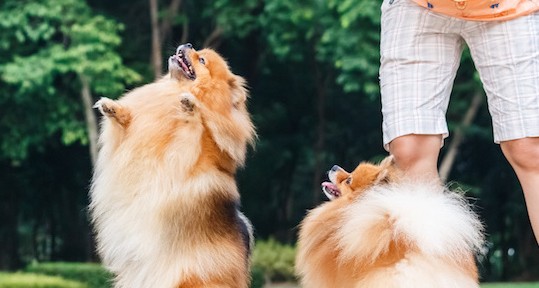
(420,55)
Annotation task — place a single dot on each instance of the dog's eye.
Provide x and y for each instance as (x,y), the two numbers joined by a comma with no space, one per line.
(202,60)
(348,180)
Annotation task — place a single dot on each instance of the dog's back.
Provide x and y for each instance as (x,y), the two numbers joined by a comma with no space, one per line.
(405,234)
(416,234)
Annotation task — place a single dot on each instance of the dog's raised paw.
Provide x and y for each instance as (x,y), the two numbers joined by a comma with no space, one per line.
(106,106)
(113,110)
(188,102)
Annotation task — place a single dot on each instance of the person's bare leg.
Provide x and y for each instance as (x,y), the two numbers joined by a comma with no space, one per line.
(523,155)
(417,155)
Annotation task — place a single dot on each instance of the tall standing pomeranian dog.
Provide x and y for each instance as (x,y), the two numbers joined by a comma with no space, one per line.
(382,231)
(164,201)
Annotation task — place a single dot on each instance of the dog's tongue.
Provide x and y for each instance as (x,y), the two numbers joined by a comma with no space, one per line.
(329,185)
(330,190)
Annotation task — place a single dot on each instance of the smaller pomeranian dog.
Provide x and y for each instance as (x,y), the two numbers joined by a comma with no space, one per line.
(164,201)
(381,230)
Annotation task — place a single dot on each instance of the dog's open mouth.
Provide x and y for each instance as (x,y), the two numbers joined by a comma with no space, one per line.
(331,190)
(184,64)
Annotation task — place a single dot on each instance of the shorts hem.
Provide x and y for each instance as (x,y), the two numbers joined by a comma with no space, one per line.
(398,129)
(514,134)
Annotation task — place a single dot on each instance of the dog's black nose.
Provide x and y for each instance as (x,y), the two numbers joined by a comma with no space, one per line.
(184,47)
(335,168)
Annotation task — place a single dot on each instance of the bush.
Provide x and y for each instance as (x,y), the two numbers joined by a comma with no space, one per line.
(257,278)
(275,260)
(94,275)
(30,280)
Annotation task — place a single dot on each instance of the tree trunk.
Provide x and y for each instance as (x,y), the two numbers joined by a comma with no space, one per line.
(166,25)
(9,236)
(285,194)
(156,57)
(318,149)
(214,40)
(91,122)
(93,130)
(185,32)
(452,151)
(161,31)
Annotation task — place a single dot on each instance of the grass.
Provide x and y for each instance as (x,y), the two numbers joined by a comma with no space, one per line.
(91,274)
(510,285)
(484,285)
(30,280)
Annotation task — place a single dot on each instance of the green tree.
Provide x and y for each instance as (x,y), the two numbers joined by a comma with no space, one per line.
(317,69)
(312,68)
(55,54)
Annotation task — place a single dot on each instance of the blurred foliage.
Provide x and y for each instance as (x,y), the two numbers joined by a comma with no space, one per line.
(312,68)
(46,46)
(258,279)
(87,275)
(275,260)
(30,280)
(510,285)
(91,274)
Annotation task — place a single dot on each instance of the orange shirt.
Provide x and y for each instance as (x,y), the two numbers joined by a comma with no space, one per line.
(481,10)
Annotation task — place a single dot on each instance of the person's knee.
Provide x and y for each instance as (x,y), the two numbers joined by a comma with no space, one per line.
(522,153)
(406,152)
(416,153)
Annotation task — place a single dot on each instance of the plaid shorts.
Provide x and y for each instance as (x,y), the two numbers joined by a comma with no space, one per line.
(420,54)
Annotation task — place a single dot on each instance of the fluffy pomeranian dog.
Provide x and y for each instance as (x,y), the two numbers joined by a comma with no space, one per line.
(164,201)
(381,230)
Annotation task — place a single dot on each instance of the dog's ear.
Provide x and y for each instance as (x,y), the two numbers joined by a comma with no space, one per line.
(387,167)
(114,111)
(239,91)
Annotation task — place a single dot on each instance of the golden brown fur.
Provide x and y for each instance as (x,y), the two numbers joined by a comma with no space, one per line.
(365,238)
(164,198)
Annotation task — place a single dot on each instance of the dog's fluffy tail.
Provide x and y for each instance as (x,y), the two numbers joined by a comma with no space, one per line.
(425,217)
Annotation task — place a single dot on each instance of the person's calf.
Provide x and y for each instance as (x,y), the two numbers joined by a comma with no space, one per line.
(523,155)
